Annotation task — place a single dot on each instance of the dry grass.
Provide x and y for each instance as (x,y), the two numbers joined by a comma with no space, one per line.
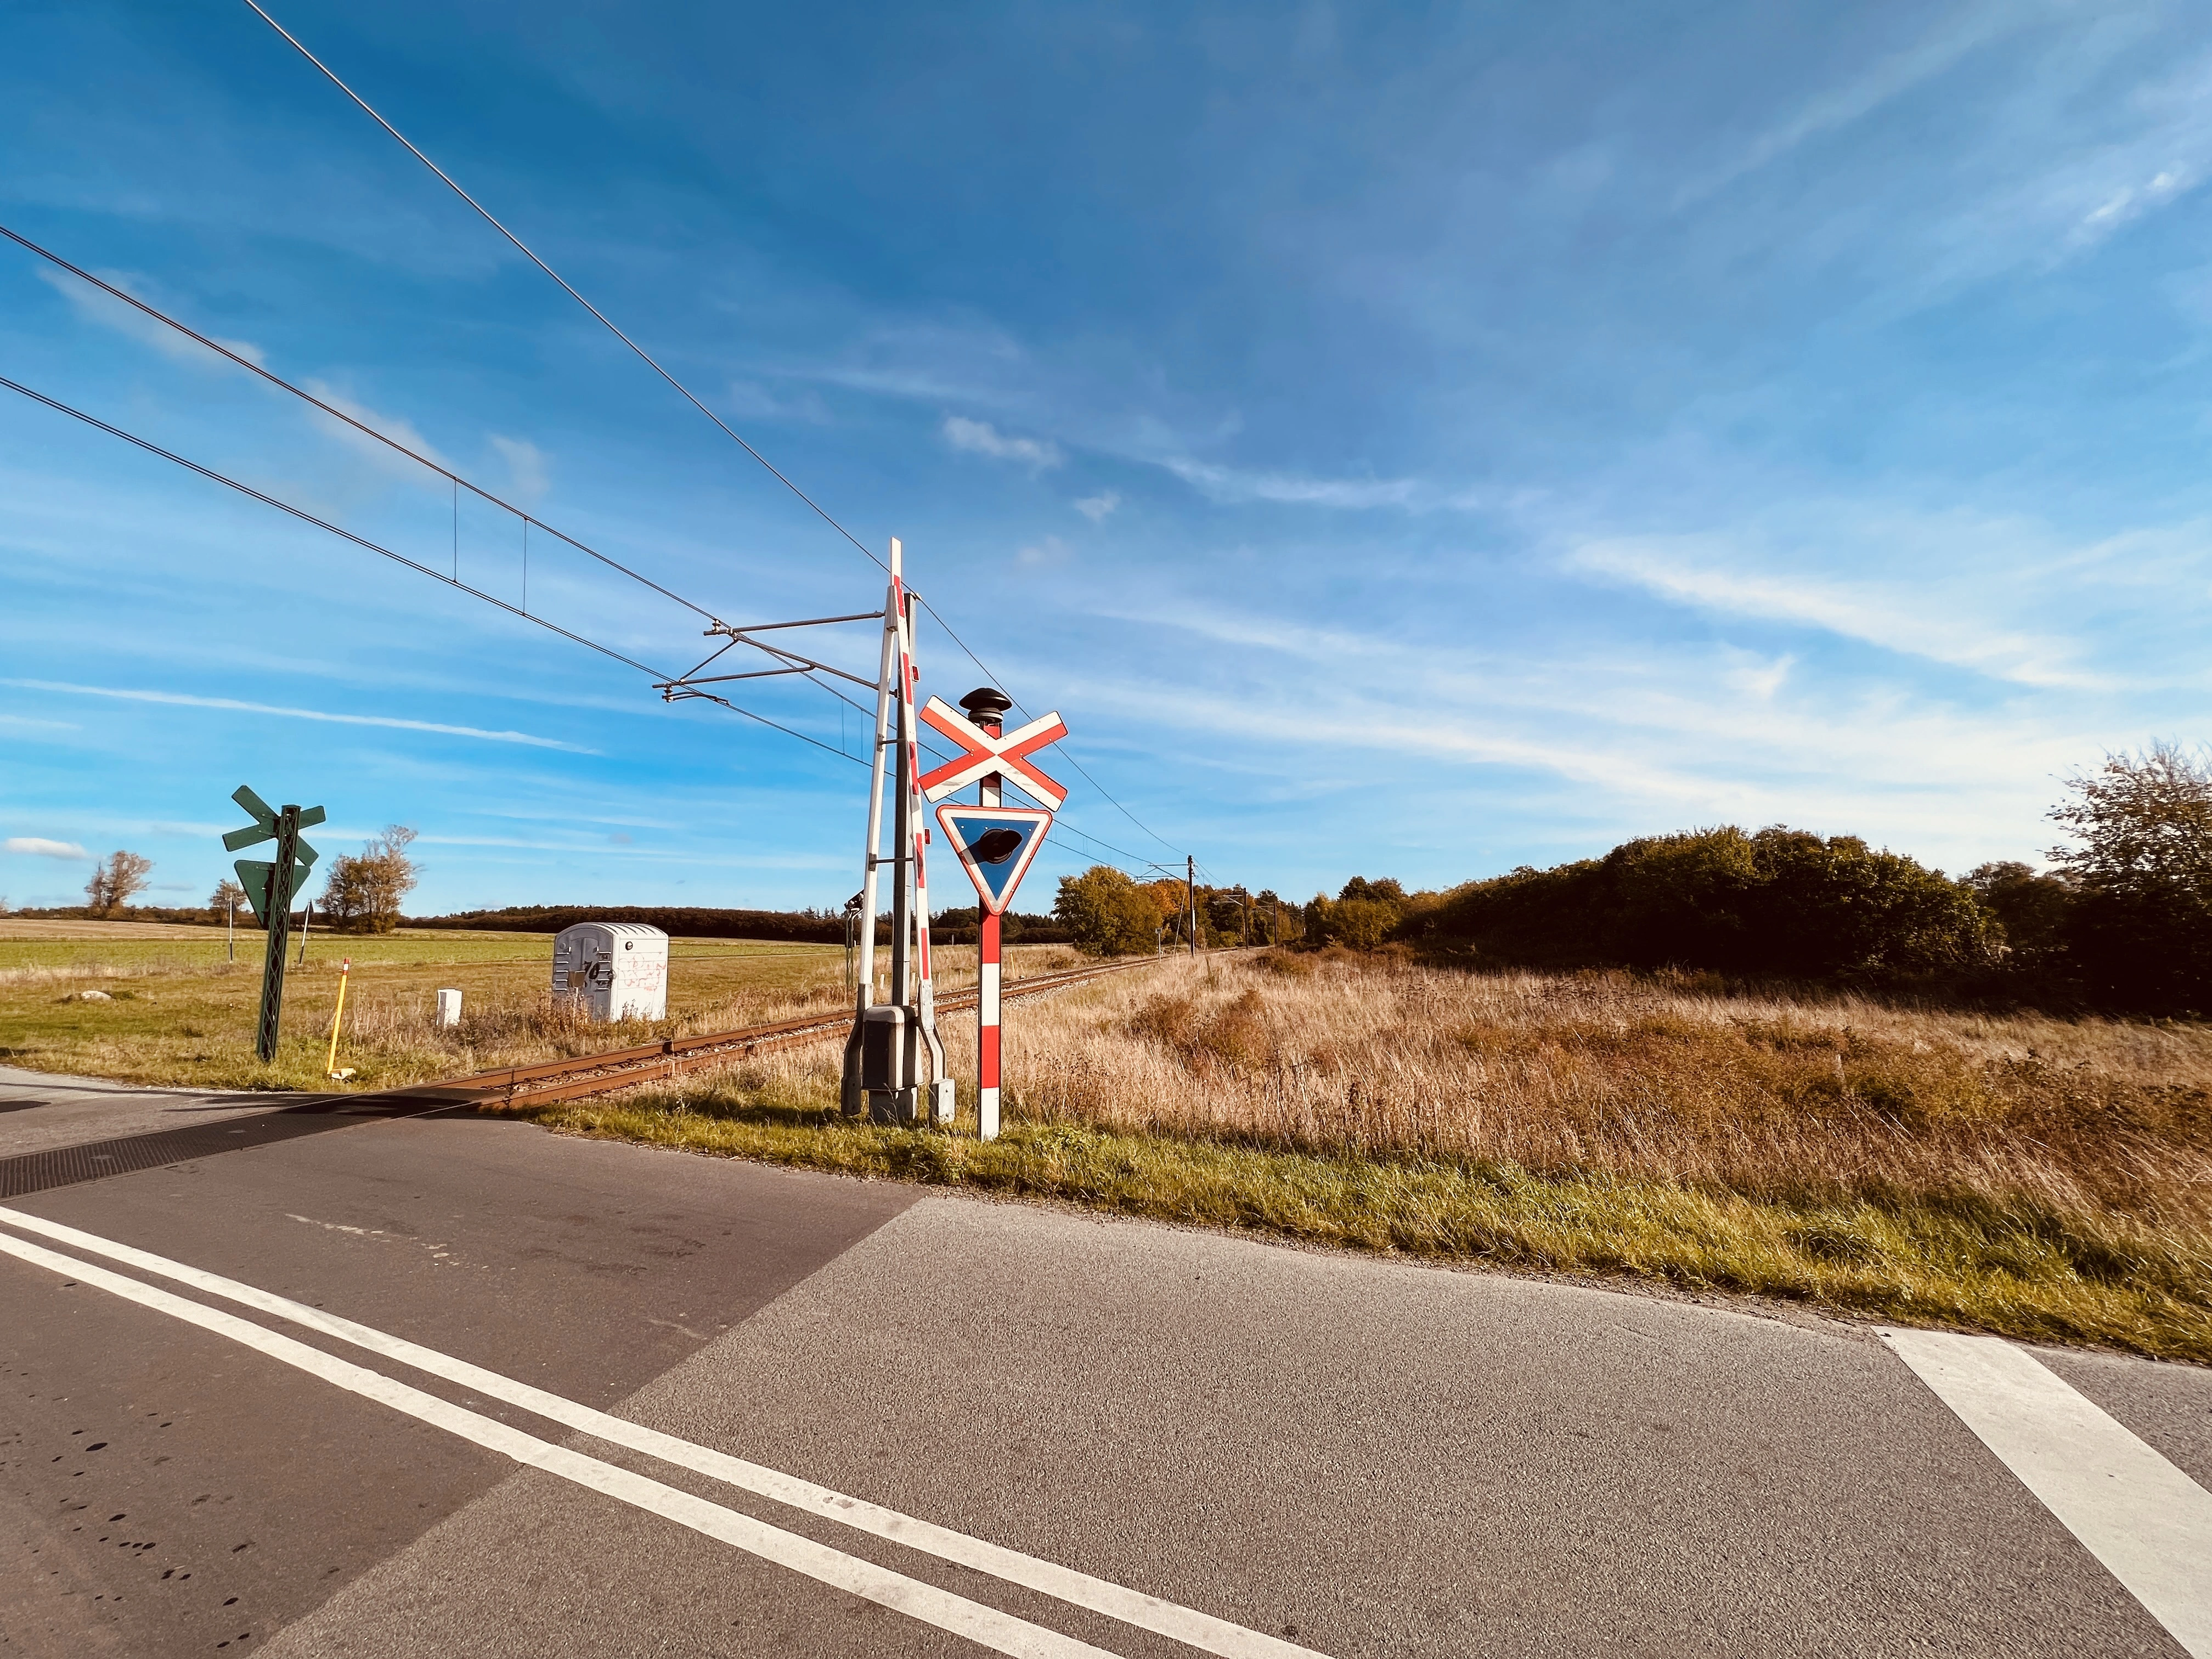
(2046,1179)
(179,1013)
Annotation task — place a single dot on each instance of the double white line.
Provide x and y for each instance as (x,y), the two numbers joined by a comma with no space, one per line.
(985,1625)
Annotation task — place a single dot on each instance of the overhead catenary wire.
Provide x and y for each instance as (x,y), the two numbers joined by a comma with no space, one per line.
(682,390)
(306,517)
(336,414)
(460,482)
(644,355)
(457,480)
(1063,745)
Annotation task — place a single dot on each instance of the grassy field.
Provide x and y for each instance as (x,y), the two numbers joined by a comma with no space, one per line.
(2043,1179)
(178,1012)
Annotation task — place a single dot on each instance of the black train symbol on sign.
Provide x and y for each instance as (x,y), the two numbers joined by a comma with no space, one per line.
(996,846)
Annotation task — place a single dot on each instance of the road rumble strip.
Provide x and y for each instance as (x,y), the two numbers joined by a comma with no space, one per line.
(985,1625)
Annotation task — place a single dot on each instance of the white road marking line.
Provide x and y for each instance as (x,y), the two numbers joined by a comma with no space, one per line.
(984,1626)
(1185,1625)
(2149,1524)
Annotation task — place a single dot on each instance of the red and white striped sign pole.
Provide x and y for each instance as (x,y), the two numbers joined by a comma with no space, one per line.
(985,707)
(996,843)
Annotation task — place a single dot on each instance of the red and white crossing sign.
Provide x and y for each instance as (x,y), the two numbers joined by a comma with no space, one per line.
(983,752)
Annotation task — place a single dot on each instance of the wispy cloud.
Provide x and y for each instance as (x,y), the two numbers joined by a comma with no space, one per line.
(2132,202)
(751,400)
(1224,484)
(525,466)
(1050,550)
(982,438)
(1843,105)
(39,846)
(181,699)
(395,427)
(1096,508)
(1915,626)
(108,312)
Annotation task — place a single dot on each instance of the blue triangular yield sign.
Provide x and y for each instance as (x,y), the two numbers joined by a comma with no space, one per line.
(995,845)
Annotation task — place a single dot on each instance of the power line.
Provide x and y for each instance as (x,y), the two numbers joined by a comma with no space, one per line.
(1061,745)
(306,517)
(390,442)
(649,360)
(358,425)
(436,575)
(684,391)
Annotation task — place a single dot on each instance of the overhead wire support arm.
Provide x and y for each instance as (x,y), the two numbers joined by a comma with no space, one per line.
(795,663)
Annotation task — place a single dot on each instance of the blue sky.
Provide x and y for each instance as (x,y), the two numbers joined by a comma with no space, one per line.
(1415,441)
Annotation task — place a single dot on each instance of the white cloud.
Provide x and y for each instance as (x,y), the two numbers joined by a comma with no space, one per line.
(1918,625)
(38,847)
(751,400)
(1756,677)
(982,438)
(180,700)
(525,466)
(1096,508)
(2132,202)
(1224,484)
(1844,106)
(1050,550)
(105,309)
(400,431)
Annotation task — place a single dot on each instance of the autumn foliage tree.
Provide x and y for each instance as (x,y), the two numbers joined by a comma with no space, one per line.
(364,890)
(1106,913)
(116,880)
(227,899)
(2139,929)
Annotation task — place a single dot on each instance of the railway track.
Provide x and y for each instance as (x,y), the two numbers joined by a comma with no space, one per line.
(655,1062)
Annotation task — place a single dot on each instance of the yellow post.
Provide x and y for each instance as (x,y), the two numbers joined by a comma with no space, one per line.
(330,1065)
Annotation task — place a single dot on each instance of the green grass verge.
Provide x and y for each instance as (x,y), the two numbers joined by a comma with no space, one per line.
(1911,1262)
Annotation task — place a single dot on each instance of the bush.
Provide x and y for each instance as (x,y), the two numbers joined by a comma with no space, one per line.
(2139,931)
(1360,917)
(1106,913)
(1780,902)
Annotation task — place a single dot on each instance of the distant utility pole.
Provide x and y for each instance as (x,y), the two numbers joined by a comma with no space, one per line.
(1190,897)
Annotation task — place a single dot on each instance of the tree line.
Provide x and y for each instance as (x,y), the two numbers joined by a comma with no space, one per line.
(362,892)
(2121,921)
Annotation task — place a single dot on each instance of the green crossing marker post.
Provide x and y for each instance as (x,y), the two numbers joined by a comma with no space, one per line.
(269,887)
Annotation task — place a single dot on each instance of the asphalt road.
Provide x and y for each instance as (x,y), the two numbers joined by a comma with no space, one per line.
(1276,1449)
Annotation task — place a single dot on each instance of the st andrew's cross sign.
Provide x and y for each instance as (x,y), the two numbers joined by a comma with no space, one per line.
(269,885)
(984,752)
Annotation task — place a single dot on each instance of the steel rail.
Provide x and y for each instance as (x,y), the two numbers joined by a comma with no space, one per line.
(552,1080)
